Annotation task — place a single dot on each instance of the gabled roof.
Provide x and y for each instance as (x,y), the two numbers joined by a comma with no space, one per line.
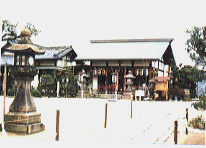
(126,49)
(50,53)
(53,52)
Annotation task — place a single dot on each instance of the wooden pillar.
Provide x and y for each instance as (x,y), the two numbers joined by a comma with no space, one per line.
(20,59)
(91,73)
(124,82)
(163,69)
(186,120)
(158,64)
(117,84)
(150,70)
(106,77)
(15,59)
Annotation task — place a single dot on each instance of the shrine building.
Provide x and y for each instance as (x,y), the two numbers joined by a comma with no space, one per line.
(148,60)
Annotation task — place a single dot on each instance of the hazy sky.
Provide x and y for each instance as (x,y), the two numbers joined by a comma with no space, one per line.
(76,22)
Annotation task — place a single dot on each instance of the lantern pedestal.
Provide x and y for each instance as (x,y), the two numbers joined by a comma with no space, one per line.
(22,116)
(27,123)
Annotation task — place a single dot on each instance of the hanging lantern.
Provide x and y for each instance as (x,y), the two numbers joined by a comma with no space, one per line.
(95,71)
(137,72)
(103,72)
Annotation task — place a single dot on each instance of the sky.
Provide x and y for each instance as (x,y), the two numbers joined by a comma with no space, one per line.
(64,23)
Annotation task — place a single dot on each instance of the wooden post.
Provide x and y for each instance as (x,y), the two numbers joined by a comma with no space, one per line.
(131,109)
(175,132)
(57,125)
(5,74)
(105,119)
(187,120)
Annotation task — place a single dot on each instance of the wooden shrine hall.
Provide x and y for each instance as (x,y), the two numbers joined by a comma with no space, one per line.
(108,62)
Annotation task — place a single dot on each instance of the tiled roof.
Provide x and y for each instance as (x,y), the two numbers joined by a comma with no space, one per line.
(50,53)
(125,49)
(53,52)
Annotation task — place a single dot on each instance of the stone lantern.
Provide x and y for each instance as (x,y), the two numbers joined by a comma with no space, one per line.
(129,82)
(22,116)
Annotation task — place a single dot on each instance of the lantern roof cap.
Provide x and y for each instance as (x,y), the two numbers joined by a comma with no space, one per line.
(24,48)
(129,75)
(25,32)
(25,44)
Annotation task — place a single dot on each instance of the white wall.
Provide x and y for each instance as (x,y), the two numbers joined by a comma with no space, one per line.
(95,82)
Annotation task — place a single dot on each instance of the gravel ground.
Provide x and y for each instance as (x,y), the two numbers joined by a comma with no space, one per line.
(83,120)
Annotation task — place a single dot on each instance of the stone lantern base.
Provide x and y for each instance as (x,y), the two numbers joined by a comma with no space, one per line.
(27,123)
(22,116)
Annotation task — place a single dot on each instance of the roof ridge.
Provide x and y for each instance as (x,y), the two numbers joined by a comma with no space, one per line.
(66,47)
(49,48)
(133,40)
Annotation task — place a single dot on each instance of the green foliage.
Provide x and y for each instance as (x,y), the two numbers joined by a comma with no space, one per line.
(32,28)
(201,104)
(151,90)
(8,26)
(72,86)
(196,44)
(68,82)
(187,76)
(10,92)
(47,85)
(198,122)
(36,93)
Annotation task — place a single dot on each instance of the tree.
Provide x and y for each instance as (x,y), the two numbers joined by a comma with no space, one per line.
(8,26)
(187,76)
(32,28)
(68,82)
(196,45)
(47,85)
(10,30)
(201,104)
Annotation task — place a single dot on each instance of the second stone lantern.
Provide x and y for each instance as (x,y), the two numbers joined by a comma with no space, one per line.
(129,82)
(22,116)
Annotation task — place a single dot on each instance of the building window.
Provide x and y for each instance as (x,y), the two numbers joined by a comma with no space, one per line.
(23,59)
(17,60)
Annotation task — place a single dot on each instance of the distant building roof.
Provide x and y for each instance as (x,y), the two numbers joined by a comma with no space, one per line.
(53,52)
(50,53)
(126,49)
(133,40)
